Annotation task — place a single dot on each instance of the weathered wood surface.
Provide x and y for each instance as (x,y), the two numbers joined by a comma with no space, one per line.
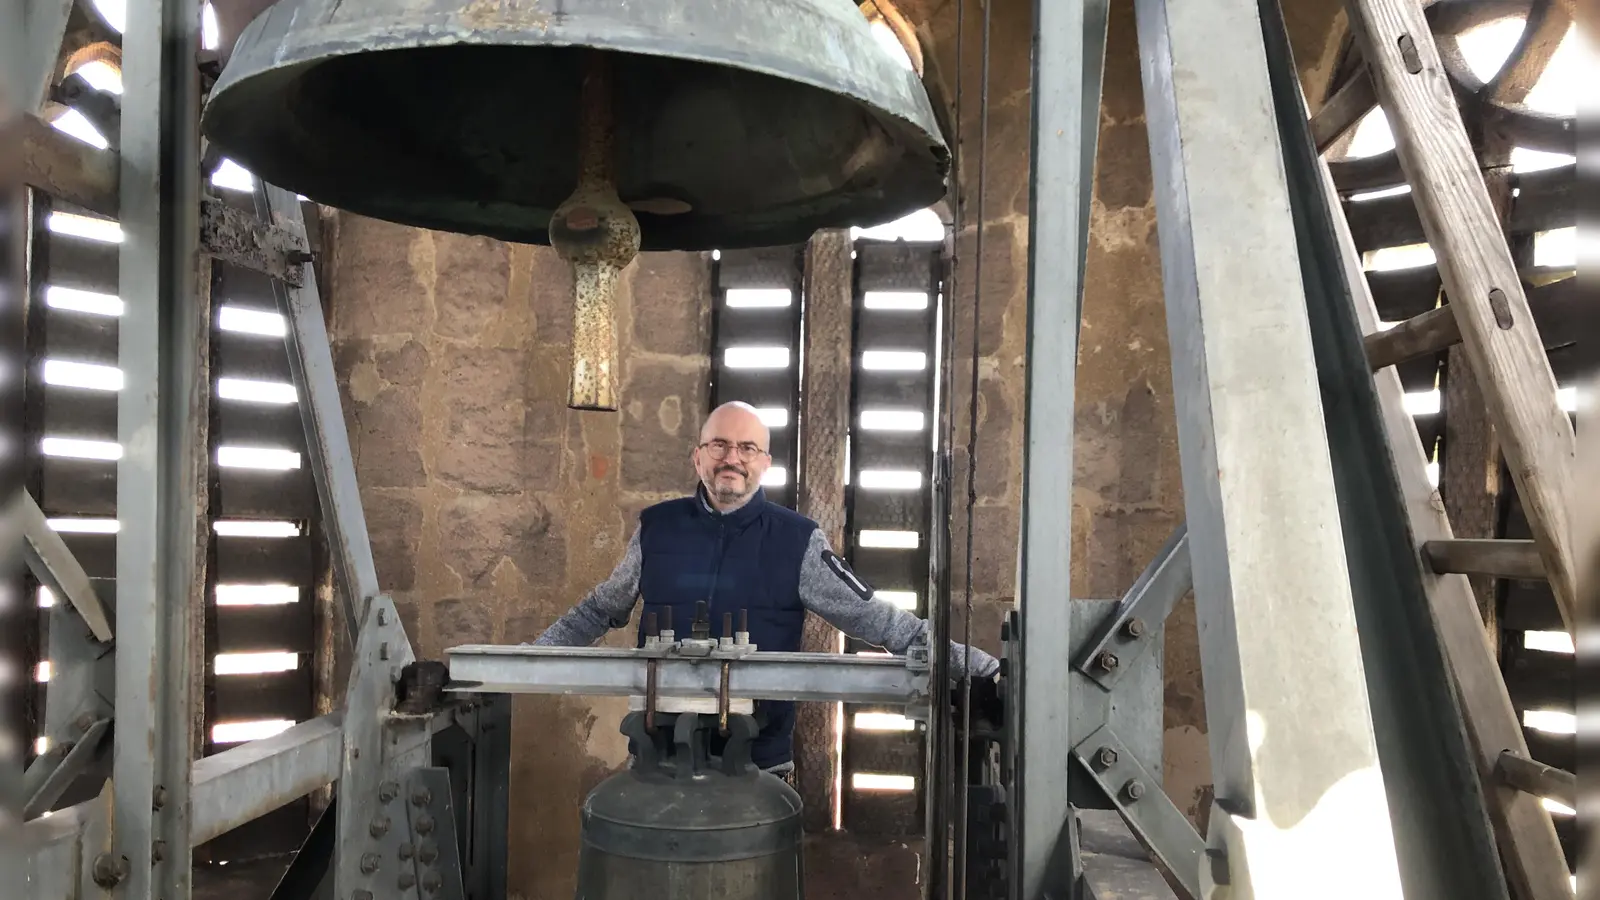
(1479,275)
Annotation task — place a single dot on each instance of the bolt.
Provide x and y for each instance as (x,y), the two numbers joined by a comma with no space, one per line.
(1107,757)
(1107,660)
(424,824)
(300,258)
(1133,629)
(428,853)
(109,871)
(421,797)
(369,863)
(383,650)
(158,851)
(431,882)
(388,791)
(406,851)
(160,799)
(84,722)
(380,827)
(1133,789)
(383,616)
(408,880)
(360,895)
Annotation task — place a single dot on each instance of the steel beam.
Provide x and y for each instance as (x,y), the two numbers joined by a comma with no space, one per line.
(160,410)
(45,25)
(1135,626)
(603,671)
(238,785)
(1302,810)
(378,748)
(333,465)
(56,568)
(1068,63)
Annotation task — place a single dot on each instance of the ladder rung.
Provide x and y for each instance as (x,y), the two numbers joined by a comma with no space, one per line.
(1479,556)
(1538,779)
(1428,333)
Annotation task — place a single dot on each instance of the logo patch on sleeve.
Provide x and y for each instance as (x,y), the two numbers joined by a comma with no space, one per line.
(841,569)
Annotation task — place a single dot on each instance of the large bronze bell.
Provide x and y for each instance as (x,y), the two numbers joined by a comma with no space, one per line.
(598,126)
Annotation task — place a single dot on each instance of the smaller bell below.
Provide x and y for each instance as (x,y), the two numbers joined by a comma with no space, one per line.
(683,824)
(735,124)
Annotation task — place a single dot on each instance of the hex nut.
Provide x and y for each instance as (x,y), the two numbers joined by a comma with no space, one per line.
(1107,660)
(109,871)
(1133,789)
(1133,628)
(1107,757)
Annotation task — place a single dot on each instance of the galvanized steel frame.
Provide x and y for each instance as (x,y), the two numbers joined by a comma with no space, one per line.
(1068,65)
(164,397)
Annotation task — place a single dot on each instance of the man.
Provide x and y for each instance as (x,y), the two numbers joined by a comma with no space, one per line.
(728,546)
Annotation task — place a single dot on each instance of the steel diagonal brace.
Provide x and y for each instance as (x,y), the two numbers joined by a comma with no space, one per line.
(52,562)
(1149,812)
(1130,631)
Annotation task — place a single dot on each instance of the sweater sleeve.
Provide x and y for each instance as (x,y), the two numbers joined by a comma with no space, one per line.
(608,606)
(829,589)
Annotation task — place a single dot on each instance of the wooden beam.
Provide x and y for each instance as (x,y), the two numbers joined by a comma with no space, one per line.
(1343,110)
(67,168)
(1430,332)
(1547,200)
(1538,779)
(824,420)
(1498,557)
(1479,274)
(1535,864)
(1547,25)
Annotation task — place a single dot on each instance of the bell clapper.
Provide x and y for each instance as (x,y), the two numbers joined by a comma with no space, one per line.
(598,235)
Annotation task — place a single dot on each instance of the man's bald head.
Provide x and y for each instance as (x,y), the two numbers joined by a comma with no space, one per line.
(733,454)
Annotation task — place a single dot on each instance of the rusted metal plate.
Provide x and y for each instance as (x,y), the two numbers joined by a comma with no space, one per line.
(235,236)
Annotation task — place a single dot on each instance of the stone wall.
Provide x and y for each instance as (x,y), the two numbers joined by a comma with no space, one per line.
(492,507)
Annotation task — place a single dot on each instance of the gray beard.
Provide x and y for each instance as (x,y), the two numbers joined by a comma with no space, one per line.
(728,496)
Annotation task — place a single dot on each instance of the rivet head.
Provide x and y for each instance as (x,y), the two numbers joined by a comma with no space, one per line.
(388,791)
(428,853)
(159,801)
(109,871)
(369,863)
(424,824)
(408,880)
(380,826)
(421,797)
(406,852)
(432,882)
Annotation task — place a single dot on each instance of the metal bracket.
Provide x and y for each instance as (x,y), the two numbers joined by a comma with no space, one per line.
(51,774)
(1149,812)
(52,562)
(1129,632)
(239,237)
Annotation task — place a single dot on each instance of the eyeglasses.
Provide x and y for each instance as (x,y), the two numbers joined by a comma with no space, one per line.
(719,450)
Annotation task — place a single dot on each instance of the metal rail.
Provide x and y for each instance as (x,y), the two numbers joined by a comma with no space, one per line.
(600,671)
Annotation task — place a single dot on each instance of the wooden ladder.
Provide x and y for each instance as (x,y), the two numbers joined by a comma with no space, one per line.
(1488,315)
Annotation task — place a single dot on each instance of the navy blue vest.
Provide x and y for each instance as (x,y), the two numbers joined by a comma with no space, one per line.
(748,559)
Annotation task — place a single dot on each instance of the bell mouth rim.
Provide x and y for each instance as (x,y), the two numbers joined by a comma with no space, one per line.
(912,174)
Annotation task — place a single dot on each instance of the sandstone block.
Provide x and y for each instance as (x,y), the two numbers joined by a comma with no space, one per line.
(472,277)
